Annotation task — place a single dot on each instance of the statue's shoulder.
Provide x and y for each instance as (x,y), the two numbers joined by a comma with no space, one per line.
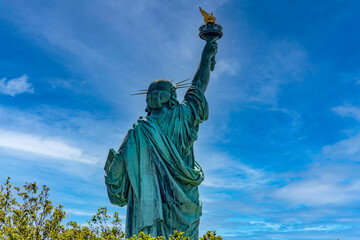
(143,121)
(140,121)
(136,129)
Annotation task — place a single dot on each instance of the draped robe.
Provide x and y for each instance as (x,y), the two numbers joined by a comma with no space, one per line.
(155,174)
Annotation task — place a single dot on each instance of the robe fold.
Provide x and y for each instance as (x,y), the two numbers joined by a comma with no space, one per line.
(155,174)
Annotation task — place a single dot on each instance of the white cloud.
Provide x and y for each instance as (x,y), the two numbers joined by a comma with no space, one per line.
(43,146)
(222,66)
(221,171)
(83,127)
(266,225)
(328,189)
(16,86)
(330,227)
(348,111)
(348,149)
(79,212)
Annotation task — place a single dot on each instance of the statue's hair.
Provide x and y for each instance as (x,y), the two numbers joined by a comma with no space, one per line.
(173,96)
(172,101)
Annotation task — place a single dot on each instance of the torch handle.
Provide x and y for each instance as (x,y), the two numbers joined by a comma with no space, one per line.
(212,61)
(212,66)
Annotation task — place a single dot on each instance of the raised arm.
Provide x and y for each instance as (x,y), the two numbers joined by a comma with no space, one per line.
(202,75)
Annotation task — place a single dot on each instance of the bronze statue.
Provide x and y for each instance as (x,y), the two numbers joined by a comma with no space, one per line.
(154,172)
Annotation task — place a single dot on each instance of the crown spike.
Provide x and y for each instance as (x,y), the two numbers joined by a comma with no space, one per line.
(183,81)
(183,85)
(139,93)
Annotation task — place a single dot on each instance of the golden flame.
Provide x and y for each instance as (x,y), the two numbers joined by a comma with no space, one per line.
(207,17)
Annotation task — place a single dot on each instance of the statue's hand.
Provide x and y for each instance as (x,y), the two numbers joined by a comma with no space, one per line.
(210,49)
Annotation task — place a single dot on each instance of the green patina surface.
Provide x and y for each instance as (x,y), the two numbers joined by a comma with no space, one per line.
(154,172)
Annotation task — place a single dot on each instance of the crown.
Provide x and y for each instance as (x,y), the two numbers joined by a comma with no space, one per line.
(181,84)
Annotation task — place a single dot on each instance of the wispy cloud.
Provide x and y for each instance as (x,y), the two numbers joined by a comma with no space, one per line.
(251,226)
(315,192)
(347,149)
(348,111)
(78,212)
(225,66)
(224,172)
(332,184)
(16,86)
(41,145)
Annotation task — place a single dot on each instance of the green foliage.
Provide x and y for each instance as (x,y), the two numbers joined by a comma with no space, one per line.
(33,217)
(176,236)
(28,213)
(99,224)
(210,235)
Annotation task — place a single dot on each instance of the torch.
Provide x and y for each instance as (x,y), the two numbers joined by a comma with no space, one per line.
(210,31)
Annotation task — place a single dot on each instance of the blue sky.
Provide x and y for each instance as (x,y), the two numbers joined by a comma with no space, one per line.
(280,150)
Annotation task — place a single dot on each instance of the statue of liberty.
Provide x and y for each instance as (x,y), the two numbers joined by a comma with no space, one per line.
(154,172)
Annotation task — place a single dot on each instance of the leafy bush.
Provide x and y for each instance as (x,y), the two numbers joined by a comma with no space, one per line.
(31,215)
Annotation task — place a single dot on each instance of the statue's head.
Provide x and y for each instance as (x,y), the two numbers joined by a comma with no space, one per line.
(161,92)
